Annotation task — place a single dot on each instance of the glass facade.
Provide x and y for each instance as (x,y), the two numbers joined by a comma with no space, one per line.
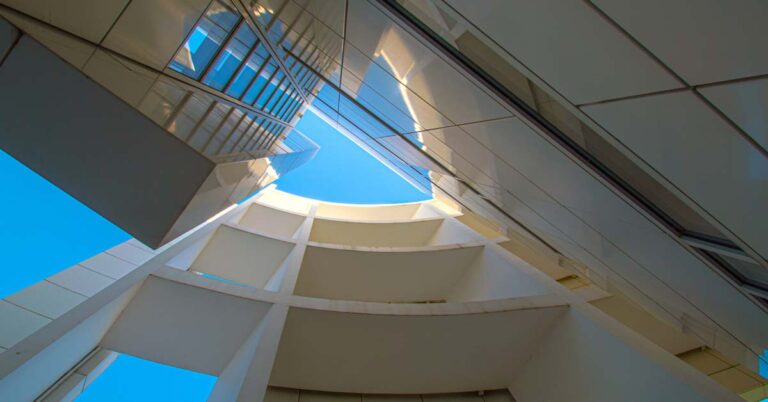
(224,53)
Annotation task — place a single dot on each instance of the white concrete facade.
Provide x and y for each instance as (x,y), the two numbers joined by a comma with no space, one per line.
(617,148)
(294,303)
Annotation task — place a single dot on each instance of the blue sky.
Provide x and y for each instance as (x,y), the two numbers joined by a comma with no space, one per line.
(344,172)
(43,230)
(130,379)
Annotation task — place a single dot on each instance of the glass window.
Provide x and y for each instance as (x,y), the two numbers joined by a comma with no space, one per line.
(203,43)
(245,35)
(282,103)
(262,14)
(226,64)
(247,74)
(749,272)
(222,15)
(277,97)
(260,82)
(266,95)
(285,113)
(284,90)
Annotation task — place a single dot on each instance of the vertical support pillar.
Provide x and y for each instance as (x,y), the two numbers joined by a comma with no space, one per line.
(284,279)
(246,377)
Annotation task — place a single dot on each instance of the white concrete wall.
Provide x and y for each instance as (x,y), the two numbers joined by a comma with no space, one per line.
(28,381)
(591,358)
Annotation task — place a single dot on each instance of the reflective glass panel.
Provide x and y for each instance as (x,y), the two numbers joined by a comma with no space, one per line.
(258,85)
(246,74)
(752,273)
(226,64)
(203,43)
(270,89)
(222,15)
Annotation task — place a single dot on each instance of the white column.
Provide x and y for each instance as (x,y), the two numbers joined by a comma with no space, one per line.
(246,377)
(284,279)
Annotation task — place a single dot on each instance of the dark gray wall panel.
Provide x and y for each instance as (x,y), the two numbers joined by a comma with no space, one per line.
(8,34)
(94,146)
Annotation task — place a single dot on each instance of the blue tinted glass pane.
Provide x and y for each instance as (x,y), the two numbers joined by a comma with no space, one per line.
(197,52)
(259,83)
(279,93)
(277,31)
(263,14)
(262,51)
(245,35)
(265,96)
(222,15)
(244,77)
(295,109)
(281,103)
(288,110)
(226,64)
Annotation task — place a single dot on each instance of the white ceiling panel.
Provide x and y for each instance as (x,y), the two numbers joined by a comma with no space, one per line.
(744,102)
(414,65)
(702,40)
(152,31)
(89,19)
(696,150)
(570,46)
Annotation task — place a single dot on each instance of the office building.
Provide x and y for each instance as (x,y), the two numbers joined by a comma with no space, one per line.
(615,147)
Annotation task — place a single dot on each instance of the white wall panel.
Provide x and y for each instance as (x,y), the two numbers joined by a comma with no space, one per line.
(89,19)
(17,323)
(29,380)
(383,275)
(702,40)
(151,31)
(589,358)
(271,221)
(413,64)
(591,216)
(8,35)
(699,153)
(190,327)
(109,265)
(72,50)
(333,351)
(570,47)
(493,276)
(123,78)
(744,102)
(47,299)
(130,253)
(241,256)
(81,280)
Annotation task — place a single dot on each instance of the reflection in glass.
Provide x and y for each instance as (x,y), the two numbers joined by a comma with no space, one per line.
(246,74)
(222,15)
(493,61)
(197,52)
(748,272)
(228,62)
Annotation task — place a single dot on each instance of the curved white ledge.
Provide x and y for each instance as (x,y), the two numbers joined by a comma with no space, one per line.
(416,348)
(358,307)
